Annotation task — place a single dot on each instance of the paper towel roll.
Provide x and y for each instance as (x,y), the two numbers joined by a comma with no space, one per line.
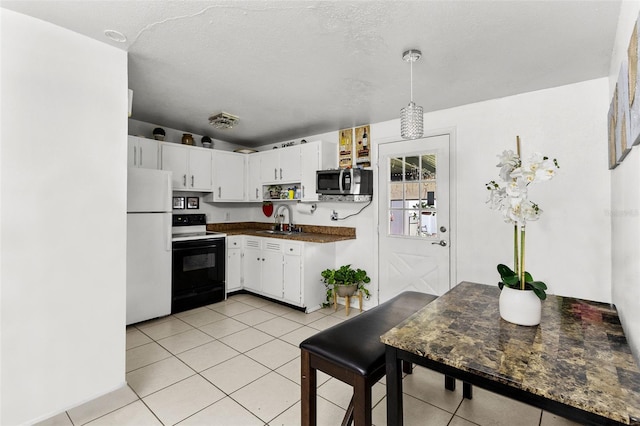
(305,208)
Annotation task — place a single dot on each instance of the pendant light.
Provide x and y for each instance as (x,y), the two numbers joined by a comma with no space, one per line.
(411,116)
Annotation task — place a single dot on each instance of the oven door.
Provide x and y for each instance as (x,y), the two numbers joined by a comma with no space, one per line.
(197,273)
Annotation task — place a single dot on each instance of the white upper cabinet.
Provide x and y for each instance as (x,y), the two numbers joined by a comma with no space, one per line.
(290,167)
(318,155)
(191,167)
(229,176)
(280,165)
(142,152)
(254,182)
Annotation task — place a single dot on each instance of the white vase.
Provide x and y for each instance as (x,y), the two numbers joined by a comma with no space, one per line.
(520,307)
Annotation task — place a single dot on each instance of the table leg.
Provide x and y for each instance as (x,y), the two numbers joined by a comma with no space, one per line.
(360,300)
(347,303)
(467,390)
(335,301)
(449,383)
(394,387)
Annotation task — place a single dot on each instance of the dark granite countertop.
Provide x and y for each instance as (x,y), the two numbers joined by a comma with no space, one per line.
(310,233)
(577,356)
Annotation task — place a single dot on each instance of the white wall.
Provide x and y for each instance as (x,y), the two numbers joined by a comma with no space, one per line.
(625,205)
(569,248)
(63,218)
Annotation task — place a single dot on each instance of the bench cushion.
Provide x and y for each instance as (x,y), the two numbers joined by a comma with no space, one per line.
(355,344)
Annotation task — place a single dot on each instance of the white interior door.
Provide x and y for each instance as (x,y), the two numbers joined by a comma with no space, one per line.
(414,221)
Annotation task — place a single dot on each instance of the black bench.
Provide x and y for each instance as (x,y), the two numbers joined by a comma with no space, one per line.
(353,353)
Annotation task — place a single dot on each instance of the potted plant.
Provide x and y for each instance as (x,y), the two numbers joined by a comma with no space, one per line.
(520,298)
(345,281)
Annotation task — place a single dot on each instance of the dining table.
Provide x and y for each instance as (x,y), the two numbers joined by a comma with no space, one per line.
(576,363)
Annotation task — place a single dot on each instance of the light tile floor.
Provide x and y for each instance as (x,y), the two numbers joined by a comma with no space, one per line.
(237,363)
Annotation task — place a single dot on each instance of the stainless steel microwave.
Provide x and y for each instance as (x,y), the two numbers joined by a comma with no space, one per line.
(344,182)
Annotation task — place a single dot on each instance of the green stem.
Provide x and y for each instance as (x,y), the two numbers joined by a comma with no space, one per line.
(522,270)
(516,261)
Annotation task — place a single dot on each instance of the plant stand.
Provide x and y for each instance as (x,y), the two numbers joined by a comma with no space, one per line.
(358,294)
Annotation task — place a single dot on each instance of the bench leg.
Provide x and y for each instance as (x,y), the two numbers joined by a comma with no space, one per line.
(308,380)
(362,402)
(348,416)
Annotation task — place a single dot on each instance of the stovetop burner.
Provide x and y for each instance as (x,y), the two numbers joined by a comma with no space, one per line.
(188,227)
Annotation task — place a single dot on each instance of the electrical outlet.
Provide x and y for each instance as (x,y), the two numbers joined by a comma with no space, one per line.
(334,215)
(227,216)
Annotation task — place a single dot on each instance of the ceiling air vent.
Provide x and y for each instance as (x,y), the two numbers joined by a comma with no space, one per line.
(224,120)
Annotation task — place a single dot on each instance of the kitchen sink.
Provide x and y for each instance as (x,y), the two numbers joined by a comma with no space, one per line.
(274,232)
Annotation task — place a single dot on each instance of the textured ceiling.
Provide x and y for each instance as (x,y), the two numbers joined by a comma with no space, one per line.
(290,69)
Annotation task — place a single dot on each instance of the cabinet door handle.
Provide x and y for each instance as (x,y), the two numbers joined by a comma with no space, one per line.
(135,161)
(256,193)
(192,181)
(140,149)
(275,173)
(184,180)
(280,174)
(302,191)
(219,191)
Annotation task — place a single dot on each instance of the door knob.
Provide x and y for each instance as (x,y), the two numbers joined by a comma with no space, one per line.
(442,243)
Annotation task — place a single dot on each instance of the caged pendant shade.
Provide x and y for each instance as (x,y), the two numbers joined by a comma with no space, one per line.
(411,116)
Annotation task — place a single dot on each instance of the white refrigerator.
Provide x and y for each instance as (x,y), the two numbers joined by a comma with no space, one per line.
(148,244)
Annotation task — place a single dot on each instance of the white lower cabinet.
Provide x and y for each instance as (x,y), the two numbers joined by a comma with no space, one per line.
(287,271)
(291,283)
(252,264)
(233,268)
(272,268)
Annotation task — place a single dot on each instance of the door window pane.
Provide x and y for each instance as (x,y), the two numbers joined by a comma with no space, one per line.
(412,196)
(396,222)
(396,169)
(412,168)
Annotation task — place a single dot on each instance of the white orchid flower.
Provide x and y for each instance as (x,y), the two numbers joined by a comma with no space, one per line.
(508,157)
(524,174)
(546,171)
(512,199)
(508,162)
(516,188)
(530,212)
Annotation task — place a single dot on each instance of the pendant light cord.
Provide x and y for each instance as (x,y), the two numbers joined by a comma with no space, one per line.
(411,68)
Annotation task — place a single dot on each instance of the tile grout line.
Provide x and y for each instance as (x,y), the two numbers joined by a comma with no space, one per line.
(271,370)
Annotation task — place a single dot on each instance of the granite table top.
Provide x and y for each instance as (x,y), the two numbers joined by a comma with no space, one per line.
(578,356)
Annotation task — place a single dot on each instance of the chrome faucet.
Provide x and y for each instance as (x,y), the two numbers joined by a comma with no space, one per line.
(289,217)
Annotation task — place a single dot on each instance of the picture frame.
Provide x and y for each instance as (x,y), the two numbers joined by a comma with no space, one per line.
(623,124)
(633,80)
(345,151)
(363,145)
(193,202)
(178,203)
